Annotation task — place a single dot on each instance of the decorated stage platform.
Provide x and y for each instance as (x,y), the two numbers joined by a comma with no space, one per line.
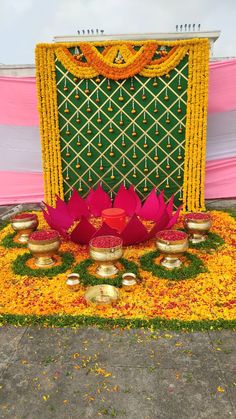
(198,295)
(123,135)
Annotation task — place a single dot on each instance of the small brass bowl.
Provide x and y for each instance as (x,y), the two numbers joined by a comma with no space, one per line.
(24,227)
(102,294)
(105,256)
(172,250)
(73,281)
(197,228)
(129,280)
(44,250)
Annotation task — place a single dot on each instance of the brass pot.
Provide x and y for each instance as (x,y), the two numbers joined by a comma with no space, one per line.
(172,250)
(197,228)
(44,250)
(73,281)
(102,294)
(24,227)
(129,280)
(105,256)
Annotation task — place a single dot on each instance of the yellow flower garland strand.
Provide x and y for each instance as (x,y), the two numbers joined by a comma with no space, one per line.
(55,128)
(204,125)
(49,125)
(40,75)
(195,139)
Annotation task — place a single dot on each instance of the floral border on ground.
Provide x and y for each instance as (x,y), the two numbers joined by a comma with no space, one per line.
(55,316)
(102,322)
(89,279)
(19,266)
(195,267)
(9,243)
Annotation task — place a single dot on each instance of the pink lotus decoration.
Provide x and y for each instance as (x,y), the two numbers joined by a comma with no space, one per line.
(63,217)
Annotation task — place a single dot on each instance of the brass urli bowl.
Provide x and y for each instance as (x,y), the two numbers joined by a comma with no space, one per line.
(129,280)
(172,250)
(197,228)
(105,256)
(24,227)
(44,250)
(102,294)
(73,282)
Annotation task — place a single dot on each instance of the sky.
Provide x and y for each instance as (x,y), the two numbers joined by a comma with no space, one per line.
(24,23)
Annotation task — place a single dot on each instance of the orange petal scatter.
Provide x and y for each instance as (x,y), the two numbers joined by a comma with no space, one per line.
(208,296)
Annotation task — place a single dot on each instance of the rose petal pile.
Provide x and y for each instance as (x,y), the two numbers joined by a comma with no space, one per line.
(105,242)
(23,216)
(41,235)
(197,216)
(171,235)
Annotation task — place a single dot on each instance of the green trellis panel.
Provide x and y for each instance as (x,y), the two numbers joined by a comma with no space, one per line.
(92,154)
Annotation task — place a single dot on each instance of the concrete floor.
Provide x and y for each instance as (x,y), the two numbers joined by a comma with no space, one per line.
(133,374)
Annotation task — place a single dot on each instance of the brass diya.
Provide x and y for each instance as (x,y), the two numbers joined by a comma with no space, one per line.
(129,280)
(105,250)
(44,245)
(172,244)
(24,225)
(73,281)
(197,226)
(102,294)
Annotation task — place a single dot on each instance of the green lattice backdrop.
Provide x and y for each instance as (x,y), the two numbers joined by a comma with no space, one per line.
(131,132)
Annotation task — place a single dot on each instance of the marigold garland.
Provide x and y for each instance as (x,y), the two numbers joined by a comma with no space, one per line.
(136,62)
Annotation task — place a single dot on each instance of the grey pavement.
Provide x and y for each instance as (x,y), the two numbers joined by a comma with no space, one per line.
(133,374)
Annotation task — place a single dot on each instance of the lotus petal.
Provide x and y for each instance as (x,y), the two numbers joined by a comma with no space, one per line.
(125,200)
(161,200)
(149,210)
(77,206)
(106,230)
(49,220)
(98,201)
(83,232)
(170,206)
(60,216)
(88,198)
(55,226)
(134,232)
(137,199)
(174,218)
(161,224)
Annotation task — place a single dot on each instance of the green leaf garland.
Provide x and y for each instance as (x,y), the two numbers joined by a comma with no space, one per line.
(88,279)
(19,266)
(9,243)
(158,323)
(194,268)
(212,242)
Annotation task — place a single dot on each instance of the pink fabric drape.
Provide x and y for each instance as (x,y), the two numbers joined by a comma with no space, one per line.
(28,187)
(222,86)
(18,187)
(18,104)
(220,179)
